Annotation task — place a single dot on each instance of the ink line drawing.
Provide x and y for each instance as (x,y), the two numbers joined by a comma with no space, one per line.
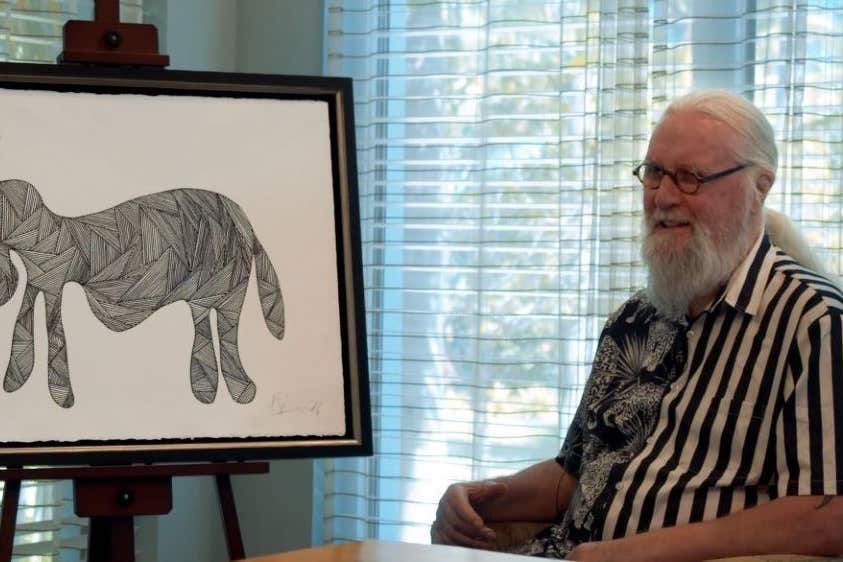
(132,259)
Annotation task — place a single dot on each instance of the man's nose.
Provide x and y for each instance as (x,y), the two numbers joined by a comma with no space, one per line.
(667,194)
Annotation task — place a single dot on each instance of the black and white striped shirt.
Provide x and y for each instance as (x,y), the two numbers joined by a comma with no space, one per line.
(685,422)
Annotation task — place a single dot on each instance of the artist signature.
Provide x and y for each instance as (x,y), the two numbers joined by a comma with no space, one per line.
(281,405)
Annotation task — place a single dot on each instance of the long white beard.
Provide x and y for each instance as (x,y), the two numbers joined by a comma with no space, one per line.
(677,276)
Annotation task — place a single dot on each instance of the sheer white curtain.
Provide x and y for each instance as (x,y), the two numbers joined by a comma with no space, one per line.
(31,31)
(500,218)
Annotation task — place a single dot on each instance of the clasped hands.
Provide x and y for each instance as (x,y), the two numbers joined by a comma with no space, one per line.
(459,521)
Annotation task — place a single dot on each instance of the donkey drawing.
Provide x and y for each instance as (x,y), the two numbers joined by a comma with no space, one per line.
(132,259)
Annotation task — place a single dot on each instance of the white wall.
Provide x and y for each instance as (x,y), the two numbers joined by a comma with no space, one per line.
(265,36)
(275,510)
(279,36)
(202,34)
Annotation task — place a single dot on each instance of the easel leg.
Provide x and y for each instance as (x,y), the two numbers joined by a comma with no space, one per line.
(11,497)
(233,539)
(111,538)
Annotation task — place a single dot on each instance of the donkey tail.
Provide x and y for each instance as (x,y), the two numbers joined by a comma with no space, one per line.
(272,302)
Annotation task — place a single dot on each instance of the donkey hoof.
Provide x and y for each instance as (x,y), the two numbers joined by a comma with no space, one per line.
(17,374)
(63,396)
(206,397)
(247,394)
(11,384)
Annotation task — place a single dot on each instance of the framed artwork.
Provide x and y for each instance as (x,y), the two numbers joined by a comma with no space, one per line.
(180,270)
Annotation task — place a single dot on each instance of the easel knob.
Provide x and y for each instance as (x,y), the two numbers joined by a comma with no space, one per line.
(125,497)
(113,38)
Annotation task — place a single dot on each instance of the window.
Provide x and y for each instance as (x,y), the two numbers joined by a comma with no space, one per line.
(500,218)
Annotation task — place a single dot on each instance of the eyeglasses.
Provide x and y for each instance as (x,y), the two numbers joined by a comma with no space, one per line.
(651,175)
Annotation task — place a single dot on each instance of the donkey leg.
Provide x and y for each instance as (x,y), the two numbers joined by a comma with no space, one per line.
(203,362)
(240,386)
(23,349)
(58,375)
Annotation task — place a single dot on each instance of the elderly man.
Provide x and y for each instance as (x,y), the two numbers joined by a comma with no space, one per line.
(712,422)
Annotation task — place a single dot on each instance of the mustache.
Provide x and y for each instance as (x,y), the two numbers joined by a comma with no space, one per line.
(659,215)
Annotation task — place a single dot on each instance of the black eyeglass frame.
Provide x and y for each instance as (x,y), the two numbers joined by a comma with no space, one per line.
(674,176)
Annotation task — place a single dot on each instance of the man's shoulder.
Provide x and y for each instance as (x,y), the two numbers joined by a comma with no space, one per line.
(636,305)
(818,291)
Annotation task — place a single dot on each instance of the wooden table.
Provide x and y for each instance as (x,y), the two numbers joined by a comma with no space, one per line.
(378,551)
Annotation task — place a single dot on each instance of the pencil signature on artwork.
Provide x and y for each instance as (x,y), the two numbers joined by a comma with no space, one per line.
(186,245)
(281,405)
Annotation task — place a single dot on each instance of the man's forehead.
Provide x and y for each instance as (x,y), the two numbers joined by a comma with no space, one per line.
(692,136)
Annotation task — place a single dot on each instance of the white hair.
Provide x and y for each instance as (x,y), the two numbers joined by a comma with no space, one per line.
(676,279)
(758,140)
(784,234)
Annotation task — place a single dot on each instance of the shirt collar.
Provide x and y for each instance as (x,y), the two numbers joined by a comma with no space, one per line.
(745,287)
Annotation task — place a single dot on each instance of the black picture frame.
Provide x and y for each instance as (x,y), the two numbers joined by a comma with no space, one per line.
(336,93)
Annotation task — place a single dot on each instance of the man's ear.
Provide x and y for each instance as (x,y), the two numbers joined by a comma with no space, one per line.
(763,183)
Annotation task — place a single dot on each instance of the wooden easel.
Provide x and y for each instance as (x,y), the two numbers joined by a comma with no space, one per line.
(113,495)
(108,41)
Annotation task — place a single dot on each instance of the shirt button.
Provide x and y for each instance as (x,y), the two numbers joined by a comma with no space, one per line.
(618,487)
(690,333)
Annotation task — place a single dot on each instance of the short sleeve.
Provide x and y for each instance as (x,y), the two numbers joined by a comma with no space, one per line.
(809,432)
(570,455)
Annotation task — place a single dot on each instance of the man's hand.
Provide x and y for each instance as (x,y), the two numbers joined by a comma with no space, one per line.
(537,493)
(458,520)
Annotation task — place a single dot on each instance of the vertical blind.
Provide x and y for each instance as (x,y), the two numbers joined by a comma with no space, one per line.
(31,31)
(500,219)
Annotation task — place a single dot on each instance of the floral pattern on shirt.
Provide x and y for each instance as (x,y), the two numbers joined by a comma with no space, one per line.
(639,355)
